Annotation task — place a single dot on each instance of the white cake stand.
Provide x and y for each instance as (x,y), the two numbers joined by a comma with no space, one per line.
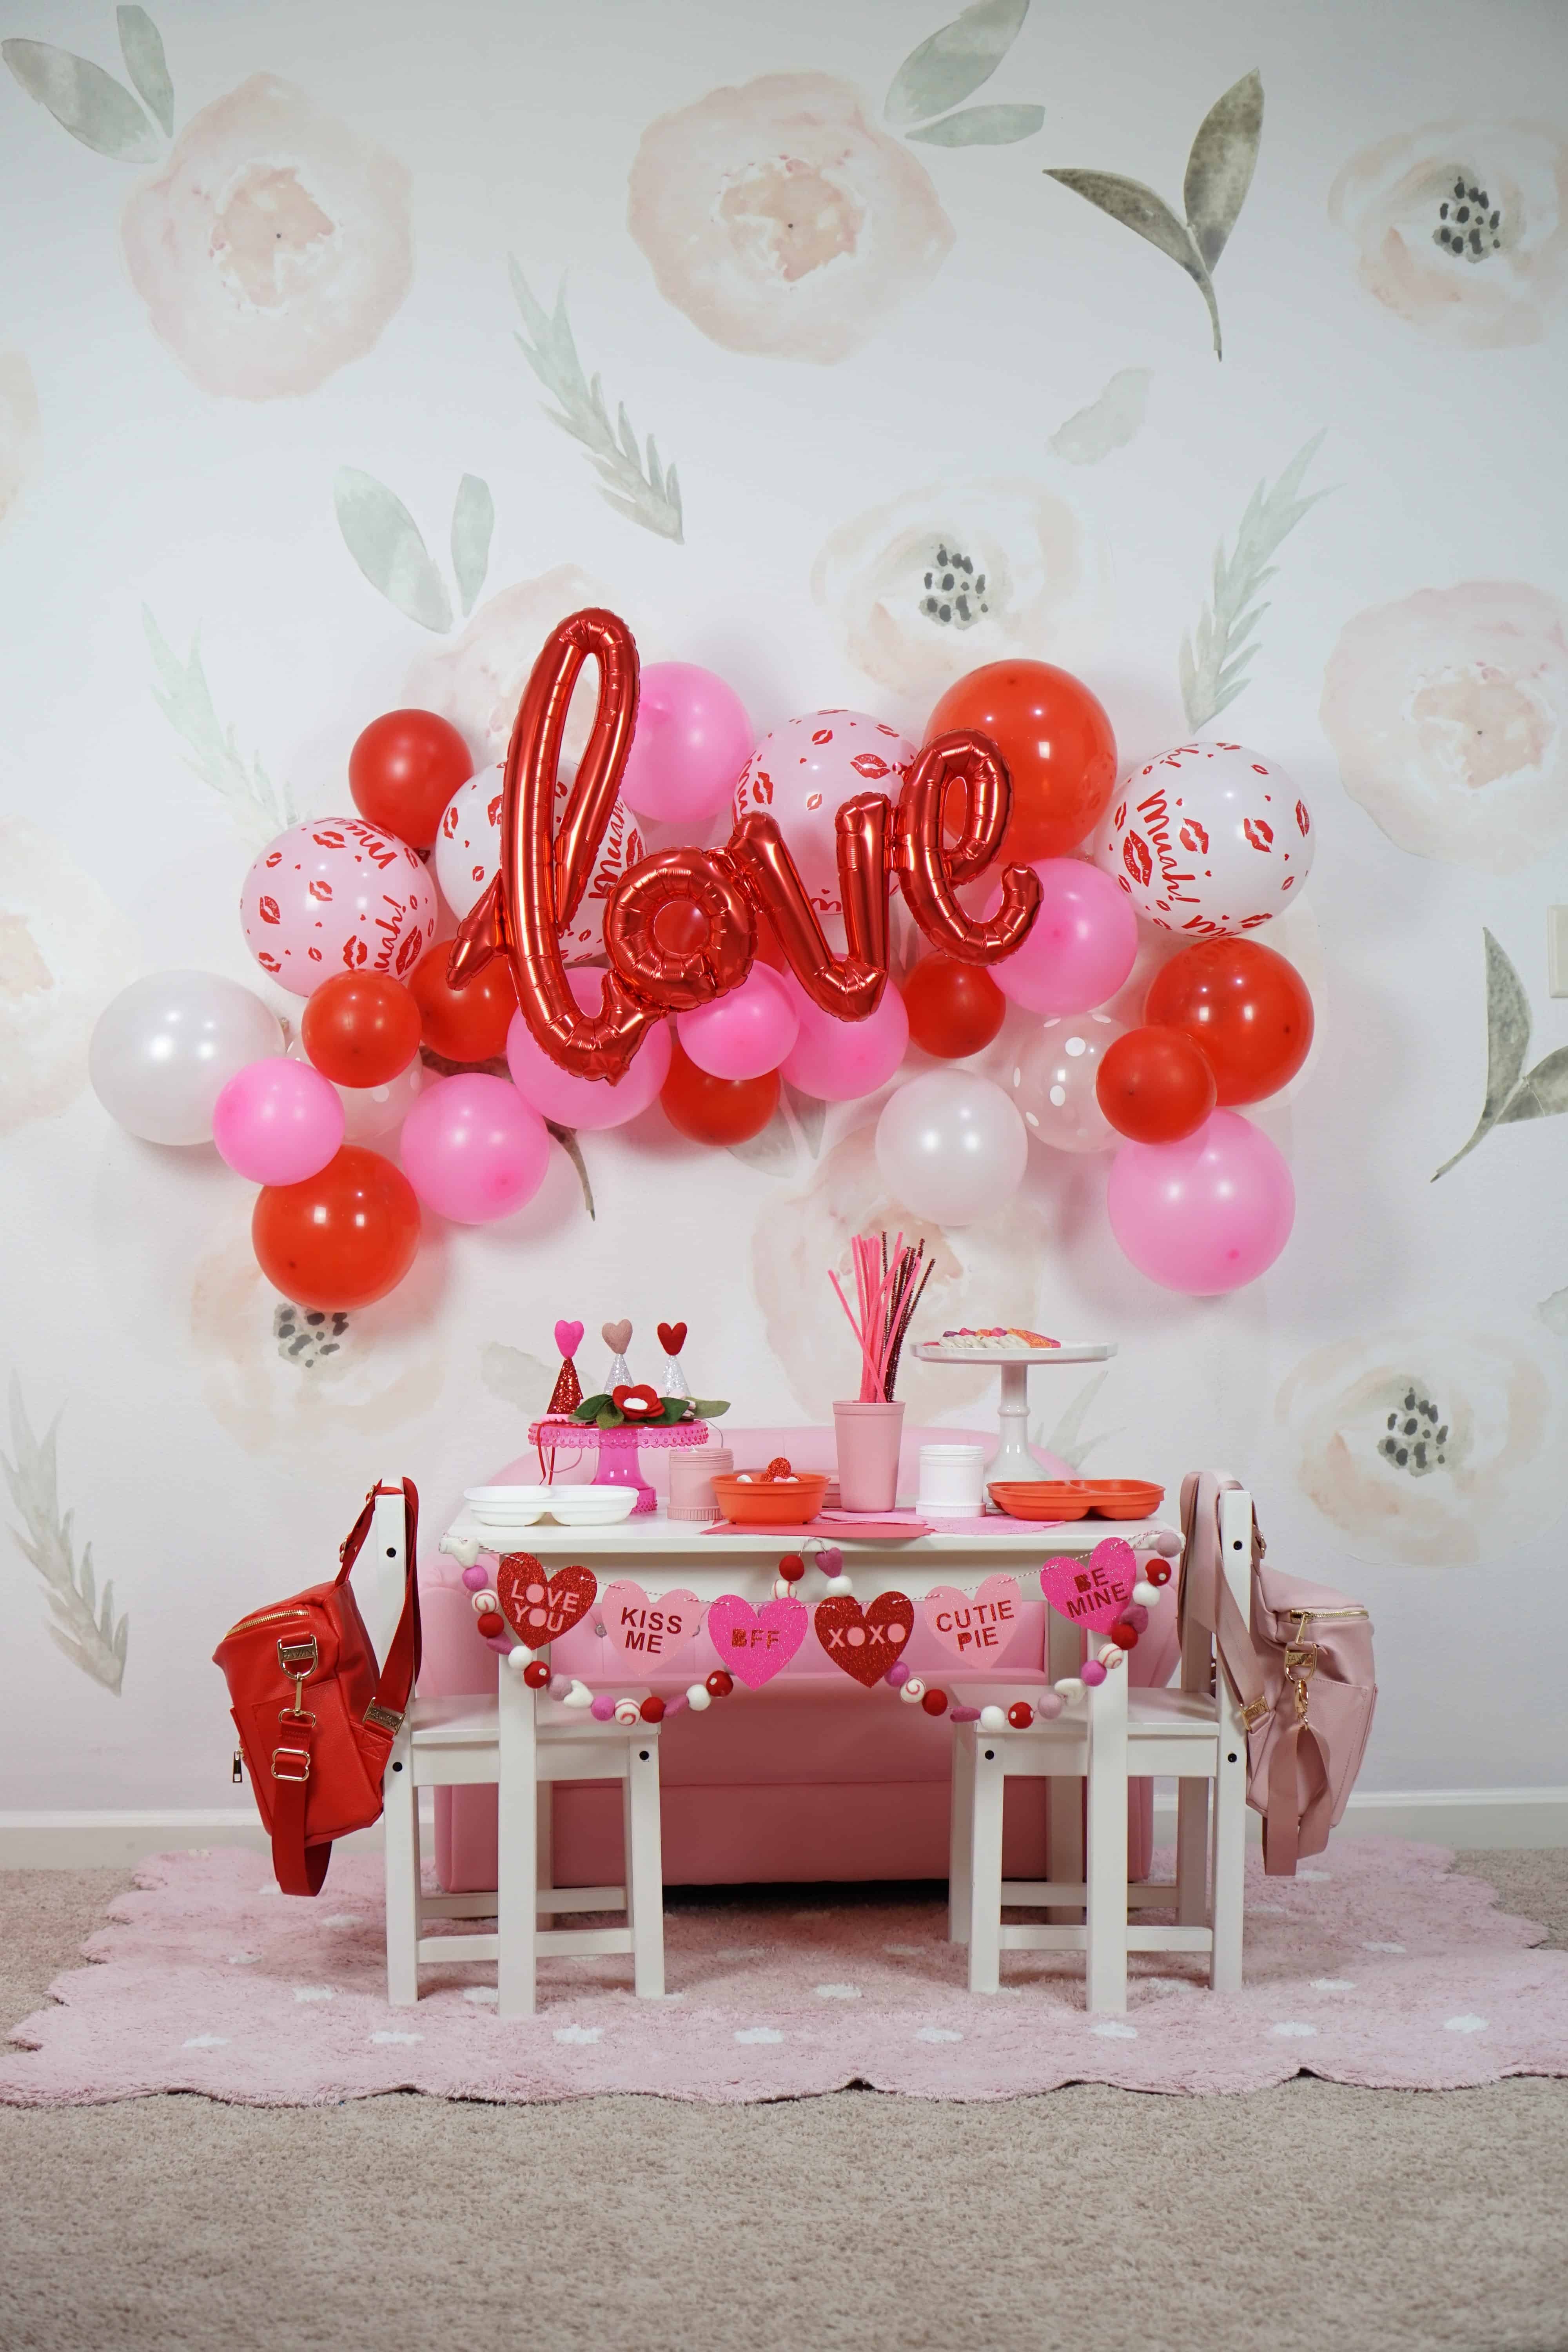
(1013,1458)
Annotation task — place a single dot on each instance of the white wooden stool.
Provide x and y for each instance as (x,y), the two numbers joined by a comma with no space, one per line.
(524,1743)
(1113,1734)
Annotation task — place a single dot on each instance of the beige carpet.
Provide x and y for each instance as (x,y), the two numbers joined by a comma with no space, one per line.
(1310,2218)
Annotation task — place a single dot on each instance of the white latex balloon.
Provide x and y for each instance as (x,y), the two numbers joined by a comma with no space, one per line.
(1209,837)
(951,1146)
(373,1111)
(1054,1081)
(166,1046)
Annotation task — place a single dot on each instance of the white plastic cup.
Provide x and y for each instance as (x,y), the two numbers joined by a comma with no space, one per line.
(951,1481)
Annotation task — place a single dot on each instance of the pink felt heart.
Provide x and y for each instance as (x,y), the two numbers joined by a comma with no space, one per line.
(643,1632)
(755,1643)
(1092,1591)
(568,1338)
(617,1337)
(975,1629)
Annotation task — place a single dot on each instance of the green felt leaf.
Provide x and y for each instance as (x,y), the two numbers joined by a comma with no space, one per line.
(84,100)
(709,1408)
(142,46)
(954,61)
(982,126)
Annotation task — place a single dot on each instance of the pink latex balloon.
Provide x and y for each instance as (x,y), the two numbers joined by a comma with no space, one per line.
(277,1121)
(337,894)
(555,1094)
(1205,1214)
(1079,946)
(745,1034)
(837,1060)
(692,740)
(473,1150)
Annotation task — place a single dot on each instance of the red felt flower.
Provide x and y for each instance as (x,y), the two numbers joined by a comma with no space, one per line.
(640,1403)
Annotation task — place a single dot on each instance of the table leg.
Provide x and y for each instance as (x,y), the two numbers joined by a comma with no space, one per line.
(961,1829)
(986,1868)
(1064,1796)
(517,1873)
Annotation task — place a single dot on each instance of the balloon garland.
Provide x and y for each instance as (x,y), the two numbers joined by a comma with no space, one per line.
(715,983)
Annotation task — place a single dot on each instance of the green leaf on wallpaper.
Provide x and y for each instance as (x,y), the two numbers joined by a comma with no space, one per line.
(1213,663)
(143,49)
(954,61)
(1508,1042)
(383,540)
(516,1377)
(774,1153)
(473,521)
(1220,166)
(1066,1440)
(1219,173)
(259,808)
(639,488)
(85,1627)
(84,100)
(983,126)
(810,1116)
(1553,1311)
(1541,1093)
(566,1137)
(1110,421)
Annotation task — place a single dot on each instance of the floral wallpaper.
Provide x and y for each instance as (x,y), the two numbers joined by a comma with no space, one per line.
(841,352)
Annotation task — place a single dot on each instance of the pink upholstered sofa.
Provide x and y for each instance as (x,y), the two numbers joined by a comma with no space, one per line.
(811,1778)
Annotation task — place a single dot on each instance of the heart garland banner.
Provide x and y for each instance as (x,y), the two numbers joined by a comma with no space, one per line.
(975,1627)
(756,1644)
(1092,1591)
(865,1642)
(541,1608)
(645,1631)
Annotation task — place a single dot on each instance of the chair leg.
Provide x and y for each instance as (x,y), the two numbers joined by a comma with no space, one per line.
(645,1870)
(517,1875)
(1064,1796)
(960,1831)
(1192,1852)
(401,1816)
(990,1780)
(544,1835)
(1229,1856)
(1106,1973)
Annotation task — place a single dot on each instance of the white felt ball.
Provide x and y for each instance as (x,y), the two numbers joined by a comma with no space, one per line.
(462,1548)
(698,1696)
(627,1711)
(836,1584)
(993,1719)
(913,1691)
(1146,1594)
(1112,1656)
(1070,1686)
(517,1658)
(483,1601)
(578,1695)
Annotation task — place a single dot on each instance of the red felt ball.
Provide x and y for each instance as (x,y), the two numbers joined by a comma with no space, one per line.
(718,1684)
(792,1568)
(934,1702)
(1124,1636)
(1020,1714)
(491,1623)
(652,1710)
(536,1674)
(1158,1571)
(403,770)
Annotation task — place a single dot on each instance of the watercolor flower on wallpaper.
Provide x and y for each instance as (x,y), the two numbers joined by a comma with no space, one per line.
(1449,715)
(274,244)
(799,1236)
(283,1383)
(781,221)
(1461,228)
(477,680)
(960,572)
(1429,1447)
(18,427)
(65,950)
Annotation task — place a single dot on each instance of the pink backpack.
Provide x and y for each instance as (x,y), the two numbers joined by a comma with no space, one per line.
(1303,1676)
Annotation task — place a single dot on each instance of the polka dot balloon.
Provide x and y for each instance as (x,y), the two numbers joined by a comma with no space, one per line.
(1052,1085)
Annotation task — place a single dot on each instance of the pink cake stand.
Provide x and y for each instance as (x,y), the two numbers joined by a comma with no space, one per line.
(618,1448)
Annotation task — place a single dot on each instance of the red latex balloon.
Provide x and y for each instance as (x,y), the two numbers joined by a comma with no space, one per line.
(1246,1005)
(360,1028)
(954,1008)
(1056,741)
(463,1024)
(716,1110)
(1155,1086)
(341,1238)
(403,770)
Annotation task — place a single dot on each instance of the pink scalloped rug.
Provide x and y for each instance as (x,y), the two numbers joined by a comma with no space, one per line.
(1378,1965)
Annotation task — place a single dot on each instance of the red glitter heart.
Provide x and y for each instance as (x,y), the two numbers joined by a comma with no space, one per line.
(865,1642)
(672,1337)
(541,1608)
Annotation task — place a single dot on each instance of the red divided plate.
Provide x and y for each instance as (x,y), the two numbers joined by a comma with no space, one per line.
(1078,1498)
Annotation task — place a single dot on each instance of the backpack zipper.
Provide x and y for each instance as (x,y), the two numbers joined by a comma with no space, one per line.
(263,1617)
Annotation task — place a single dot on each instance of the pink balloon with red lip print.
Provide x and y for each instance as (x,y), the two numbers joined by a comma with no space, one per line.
(337,894)
(802,774)
(1208,837)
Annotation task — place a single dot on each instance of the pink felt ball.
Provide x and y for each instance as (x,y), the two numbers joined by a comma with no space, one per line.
(897,1674)
(1137,1616)
(277,1121)
(1048,1706)
(475,1578)
(602,1710)
(1092,1672)
(559,1685)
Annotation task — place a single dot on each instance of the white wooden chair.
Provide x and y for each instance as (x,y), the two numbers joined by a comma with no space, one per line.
(1193,1732)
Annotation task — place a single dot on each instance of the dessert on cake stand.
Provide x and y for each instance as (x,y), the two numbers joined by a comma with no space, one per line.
(1014,1458)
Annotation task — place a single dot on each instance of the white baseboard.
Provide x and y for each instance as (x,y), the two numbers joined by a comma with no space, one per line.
(1520,1818)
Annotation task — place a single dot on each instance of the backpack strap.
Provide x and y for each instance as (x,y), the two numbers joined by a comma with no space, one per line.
(1204,1594)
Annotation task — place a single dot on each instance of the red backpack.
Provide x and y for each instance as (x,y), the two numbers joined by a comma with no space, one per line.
(316,1717)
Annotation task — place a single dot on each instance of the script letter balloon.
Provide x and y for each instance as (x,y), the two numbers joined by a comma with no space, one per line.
(336,895)
(1056,743)
(1206,1215)
(166,1046)
(743,1035)
(1080,947)
(838,1061)
(278,1121)
(403,770)
(1209,837)
(473,1150)
(341,1238)
(1053,1083)
(950,1146)
(803,772)
(692,740)
(360,1028)
(1155,1086)
(707,1109)
(468,854)
(1244,1005)
(572,1101)
(954,1008)
(958,772)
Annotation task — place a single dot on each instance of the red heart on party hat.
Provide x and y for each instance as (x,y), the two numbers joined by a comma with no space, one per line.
(865,1642)
(672,1337)
(755,1644)
(568,1338)
(1092,1591)
(541,1608)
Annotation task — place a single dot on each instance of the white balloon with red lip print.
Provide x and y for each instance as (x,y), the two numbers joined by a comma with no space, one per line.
(1208,837)
(468,852)
(803,773)
(337,894)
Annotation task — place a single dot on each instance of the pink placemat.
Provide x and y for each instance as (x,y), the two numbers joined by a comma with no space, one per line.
(839,1526)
